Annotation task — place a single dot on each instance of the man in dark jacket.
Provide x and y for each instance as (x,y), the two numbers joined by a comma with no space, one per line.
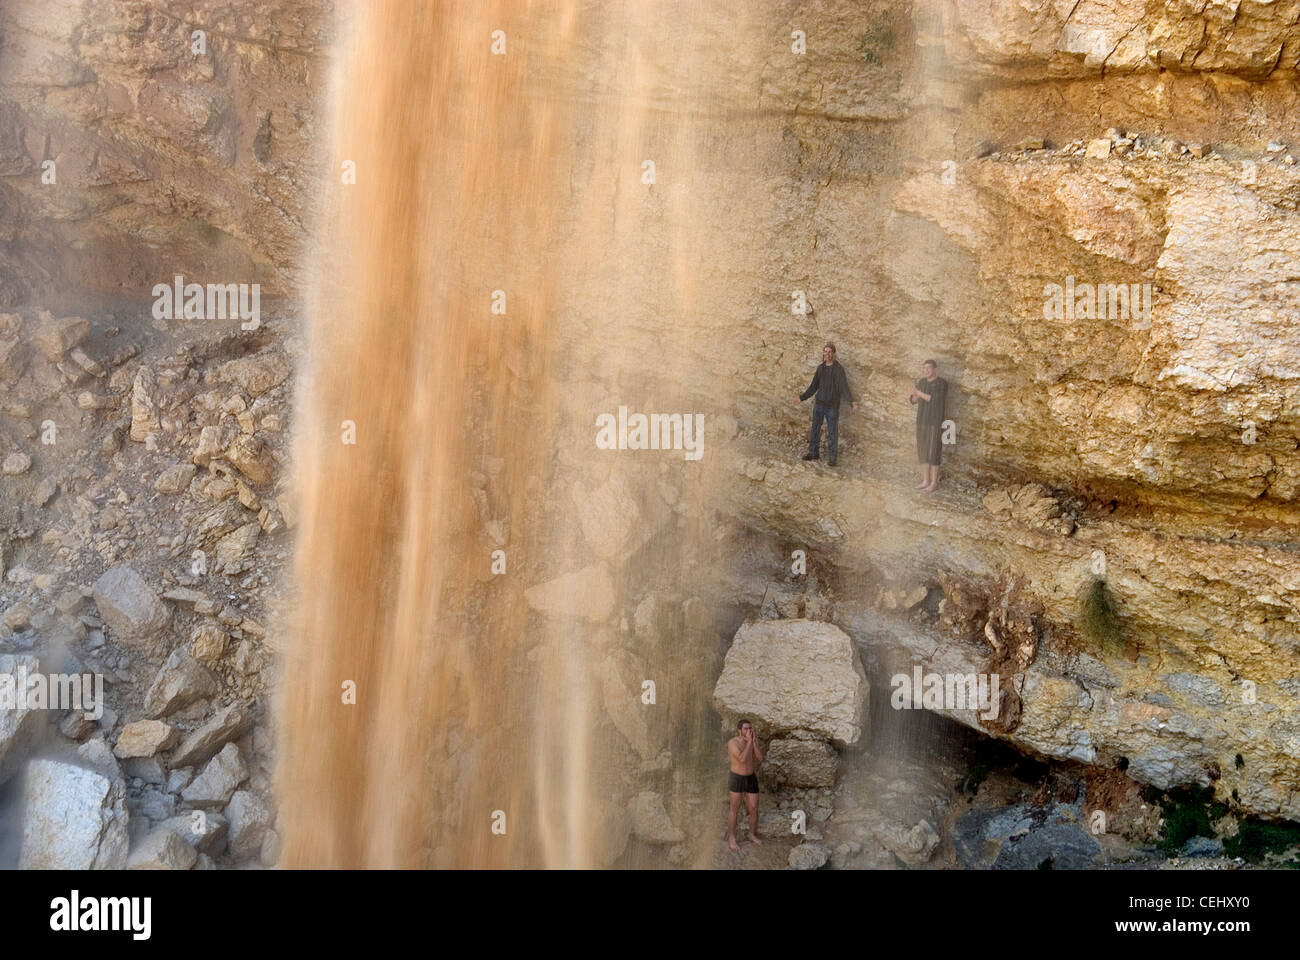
(831,385)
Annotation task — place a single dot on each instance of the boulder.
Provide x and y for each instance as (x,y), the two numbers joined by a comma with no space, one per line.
(201,745)
(176,478)
(143,738)
(74,818)
(132,611)
(1098,149)
(913,844)
(208,642)
(801,760)
(18,725)
(213,788)
(250,819)
(179,682)
(16,463)
(1024,837)
(203,830)
(211,444)
(54,338)
(162,849)
(250,456)
(235,549)
(148,769)
(788,675)
(254,375)
(46,488)
(811,855)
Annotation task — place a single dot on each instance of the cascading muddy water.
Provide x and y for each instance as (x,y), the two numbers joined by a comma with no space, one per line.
(423,703)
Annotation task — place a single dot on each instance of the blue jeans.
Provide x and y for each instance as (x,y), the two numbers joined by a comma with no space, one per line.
(832,417)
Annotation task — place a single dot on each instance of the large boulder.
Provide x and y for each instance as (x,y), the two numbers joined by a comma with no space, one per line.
(134,613)
(74,818)
(788,675)
(18,725)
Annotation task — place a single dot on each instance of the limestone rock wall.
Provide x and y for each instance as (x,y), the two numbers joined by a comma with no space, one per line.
(171,153)
(920,173)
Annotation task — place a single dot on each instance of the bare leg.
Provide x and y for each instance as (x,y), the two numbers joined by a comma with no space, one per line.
(751,799)
(931,478)
(731,821)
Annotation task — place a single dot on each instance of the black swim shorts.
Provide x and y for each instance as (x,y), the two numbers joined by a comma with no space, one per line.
(742,783)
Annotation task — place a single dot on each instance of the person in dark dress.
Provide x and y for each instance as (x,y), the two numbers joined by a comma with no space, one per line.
(930,395)
(830,384)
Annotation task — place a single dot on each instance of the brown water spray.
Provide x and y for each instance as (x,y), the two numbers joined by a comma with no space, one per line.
(475,172)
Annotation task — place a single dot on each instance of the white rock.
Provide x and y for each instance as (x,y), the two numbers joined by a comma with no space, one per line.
(74,818)
(794,675)
(17,726)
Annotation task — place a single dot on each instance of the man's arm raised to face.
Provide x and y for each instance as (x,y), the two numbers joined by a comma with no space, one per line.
(758,754)
(741,750)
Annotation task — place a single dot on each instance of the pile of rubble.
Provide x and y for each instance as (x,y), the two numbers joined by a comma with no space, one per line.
(142,528)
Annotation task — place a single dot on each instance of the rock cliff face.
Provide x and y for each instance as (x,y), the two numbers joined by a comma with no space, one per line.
(1129,144)
(924,180)
(143,139)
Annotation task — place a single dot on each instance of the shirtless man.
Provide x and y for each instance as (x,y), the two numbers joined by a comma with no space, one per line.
(742,782)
